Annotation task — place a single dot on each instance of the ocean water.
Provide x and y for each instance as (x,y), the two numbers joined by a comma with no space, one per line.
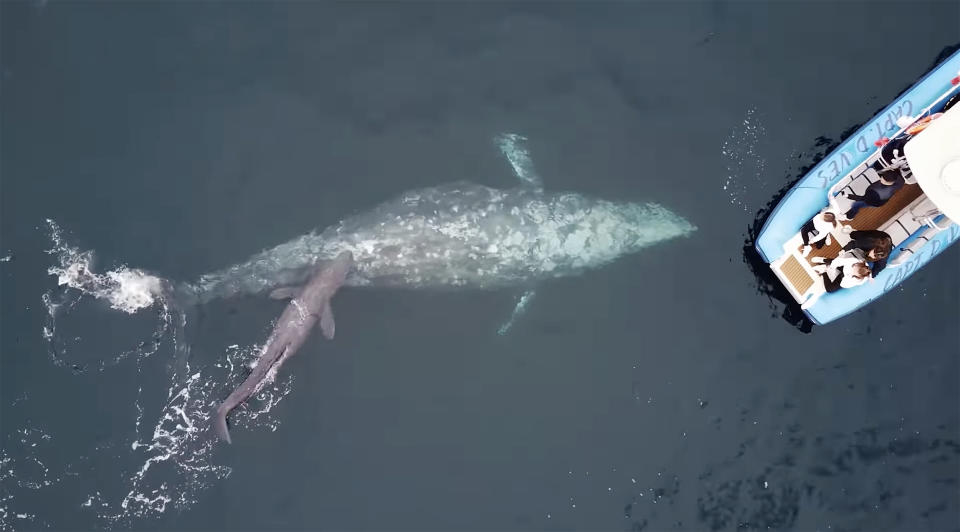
(664,391)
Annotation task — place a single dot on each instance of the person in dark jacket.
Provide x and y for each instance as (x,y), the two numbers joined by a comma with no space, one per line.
(877,193)
(874,246)
(870,246)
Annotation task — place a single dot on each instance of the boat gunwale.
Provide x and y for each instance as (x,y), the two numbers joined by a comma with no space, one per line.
(831,193)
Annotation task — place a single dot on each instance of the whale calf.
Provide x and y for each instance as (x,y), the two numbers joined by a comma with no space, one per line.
(308,306)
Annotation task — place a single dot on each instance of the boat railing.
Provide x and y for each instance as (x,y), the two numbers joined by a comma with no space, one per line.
(910,247)
(832,193)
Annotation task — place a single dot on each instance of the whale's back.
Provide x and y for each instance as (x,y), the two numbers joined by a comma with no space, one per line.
(469,235)
(459,235)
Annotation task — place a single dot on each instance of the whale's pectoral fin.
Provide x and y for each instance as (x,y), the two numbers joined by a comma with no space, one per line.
(517,312)
(514,148)
(327,327)
(286,292)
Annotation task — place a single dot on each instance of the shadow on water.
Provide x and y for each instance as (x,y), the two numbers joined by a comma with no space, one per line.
(767,282)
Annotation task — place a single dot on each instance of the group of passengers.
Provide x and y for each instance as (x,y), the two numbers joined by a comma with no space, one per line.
(866,254)
(859,261)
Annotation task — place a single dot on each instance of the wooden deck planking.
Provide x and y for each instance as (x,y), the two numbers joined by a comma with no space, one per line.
(796,274)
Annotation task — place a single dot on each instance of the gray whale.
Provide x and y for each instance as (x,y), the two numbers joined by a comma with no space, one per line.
(460,235)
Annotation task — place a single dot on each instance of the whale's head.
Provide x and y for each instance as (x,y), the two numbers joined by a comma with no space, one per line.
(598,232)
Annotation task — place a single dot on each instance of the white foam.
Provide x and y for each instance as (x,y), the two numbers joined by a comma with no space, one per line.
(27,470)
(169,462)
(166,467)
(128,290)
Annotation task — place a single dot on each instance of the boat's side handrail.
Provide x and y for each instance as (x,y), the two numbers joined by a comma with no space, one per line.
(832,193)
(920,238)
(932,222)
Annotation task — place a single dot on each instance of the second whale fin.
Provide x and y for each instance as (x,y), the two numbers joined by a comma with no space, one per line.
(513,147)
(518,311)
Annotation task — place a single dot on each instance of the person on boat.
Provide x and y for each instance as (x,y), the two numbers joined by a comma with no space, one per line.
(816,232)
(877,194)
(846,271)
(892,157)
(891,154)
(871,246)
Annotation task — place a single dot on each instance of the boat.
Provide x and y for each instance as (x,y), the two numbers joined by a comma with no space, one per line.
(916,136)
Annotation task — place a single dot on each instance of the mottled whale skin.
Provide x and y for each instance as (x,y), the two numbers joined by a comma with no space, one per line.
(460,236)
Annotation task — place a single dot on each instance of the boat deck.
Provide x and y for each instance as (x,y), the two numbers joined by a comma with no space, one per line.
(871,218)
(916,224)
(797,272)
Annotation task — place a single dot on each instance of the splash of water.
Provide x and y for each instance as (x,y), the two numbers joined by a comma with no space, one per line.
(180,446)
(165,459)
(127,290)
(27,471)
